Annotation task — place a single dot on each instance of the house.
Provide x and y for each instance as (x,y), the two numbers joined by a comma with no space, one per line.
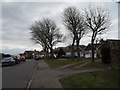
(36,52)
(42,52)
(88,51)
(68,49)
(22,54)
(64,48)
(81,48)
(111,48)
(30,54)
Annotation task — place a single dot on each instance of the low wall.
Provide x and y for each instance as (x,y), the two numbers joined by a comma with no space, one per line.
(115,56)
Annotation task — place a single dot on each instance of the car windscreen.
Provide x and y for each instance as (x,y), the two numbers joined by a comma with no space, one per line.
(9,58)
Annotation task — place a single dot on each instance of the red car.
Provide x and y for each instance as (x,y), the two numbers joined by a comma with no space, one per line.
(37,57)
(22,58)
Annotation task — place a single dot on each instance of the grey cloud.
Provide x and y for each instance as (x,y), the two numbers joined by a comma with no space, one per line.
(18,16)
(13,51)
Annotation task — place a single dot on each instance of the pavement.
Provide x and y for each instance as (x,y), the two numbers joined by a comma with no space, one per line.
(46,77)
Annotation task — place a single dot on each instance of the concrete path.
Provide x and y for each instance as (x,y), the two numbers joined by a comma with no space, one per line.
(78,66)
(83,64)
(68,65)
(46,77)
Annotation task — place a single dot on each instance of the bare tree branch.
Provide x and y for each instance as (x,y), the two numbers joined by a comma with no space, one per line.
(46,33)
(74,22)
(97,20)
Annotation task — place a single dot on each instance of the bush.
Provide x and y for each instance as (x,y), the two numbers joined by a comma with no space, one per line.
(105,54)
(61,52)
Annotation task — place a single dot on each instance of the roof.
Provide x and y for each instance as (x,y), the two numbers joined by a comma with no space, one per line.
(42,52)
(113,41)
(28,51)
(109,42)
(81,47)
(31,52)
(69,48)
(89,47)
(66,49)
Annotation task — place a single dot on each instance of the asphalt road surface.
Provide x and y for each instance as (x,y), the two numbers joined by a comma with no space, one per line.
(19,75)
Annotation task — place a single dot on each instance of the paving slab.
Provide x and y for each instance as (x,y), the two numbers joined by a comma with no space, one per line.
(44,77)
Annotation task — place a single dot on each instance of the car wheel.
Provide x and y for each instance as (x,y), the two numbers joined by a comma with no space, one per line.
(10,63)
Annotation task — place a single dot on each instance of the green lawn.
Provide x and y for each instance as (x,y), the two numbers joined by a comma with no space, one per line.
(98,63)
(98,79)
(61,62)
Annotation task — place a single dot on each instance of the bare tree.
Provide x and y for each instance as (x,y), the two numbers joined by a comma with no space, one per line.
(80,32)
(46,33)
(74,22)
(97,20)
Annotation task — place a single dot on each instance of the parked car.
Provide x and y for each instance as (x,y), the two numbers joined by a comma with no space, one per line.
(8,61)
(70,56)
(42,56)
(22,58)
(0,64)
(37,57)
(16,59)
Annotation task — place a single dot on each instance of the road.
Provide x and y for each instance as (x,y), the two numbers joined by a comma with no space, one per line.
(18,76)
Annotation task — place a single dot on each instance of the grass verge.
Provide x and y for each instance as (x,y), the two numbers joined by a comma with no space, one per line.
(97,79)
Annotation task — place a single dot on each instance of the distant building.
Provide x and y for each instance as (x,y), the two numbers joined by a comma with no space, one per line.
(42,52)
(68,49)
(36,52)
(21,54)
(81,48)
(88,51)
(30,54)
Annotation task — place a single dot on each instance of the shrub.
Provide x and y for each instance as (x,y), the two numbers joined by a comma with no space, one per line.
(105,54)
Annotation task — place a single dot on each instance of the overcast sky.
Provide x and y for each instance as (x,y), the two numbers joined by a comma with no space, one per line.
(17,17)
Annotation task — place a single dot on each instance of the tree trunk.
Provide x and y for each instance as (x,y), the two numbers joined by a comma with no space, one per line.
(51,53)
(72,48)
(78,49)
(92,45)
(46,52)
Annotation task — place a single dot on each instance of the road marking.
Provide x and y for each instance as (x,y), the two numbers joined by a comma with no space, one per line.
(29,84)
